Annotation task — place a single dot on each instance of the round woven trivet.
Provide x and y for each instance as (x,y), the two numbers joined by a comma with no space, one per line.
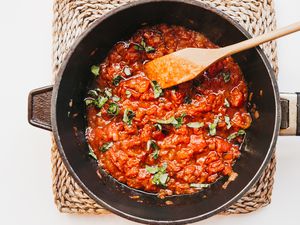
(72,17)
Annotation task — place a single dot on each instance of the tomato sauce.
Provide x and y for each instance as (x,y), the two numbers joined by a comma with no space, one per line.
(172,141)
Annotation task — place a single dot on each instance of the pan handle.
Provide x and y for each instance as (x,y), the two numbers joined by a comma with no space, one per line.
(39,107)
(290,114)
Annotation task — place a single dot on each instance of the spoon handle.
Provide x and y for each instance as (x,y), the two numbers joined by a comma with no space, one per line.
(255,41)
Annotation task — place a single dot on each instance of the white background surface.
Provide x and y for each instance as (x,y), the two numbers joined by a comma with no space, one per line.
(25,64)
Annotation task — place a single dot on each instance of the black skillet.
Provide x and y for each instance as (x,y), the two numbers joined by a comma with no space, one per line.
(65,99)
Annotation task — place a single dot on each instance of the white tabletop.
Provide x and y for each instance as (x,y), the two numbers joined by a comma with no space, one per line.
(25,190)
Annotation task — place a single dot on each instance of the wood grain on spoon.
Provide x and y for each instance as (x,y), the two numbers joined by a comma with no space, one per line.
(188,63)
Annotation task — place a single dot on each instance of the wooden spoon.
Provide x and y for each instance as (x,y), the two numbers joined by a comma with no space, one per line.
(188,63)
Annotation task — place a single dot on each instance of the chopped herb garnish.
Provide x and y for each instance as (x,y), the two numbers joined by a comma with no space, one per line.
(95,70)
(100,101)
(138,47)
(226,103)
(180,120)
(143,47)
(152,144)
(128,93)
(160,179)
(113,109)
(108,92)
(91,152)
(97,99)
(199,185)
(171,120)
(106,146)
(160,176)
(187,100)
(117,79)
(98,114)
(127,71)
(236,134)
(226,76)
(195,124)
(175,122)
(128,116)
(115,98)
(227,121)
(213,127)
(149,49)
(152,169)
(155,154)
(156,89)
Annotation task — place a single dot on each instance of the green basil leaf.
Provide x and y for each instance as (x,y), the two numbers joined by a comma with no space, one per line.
(163,178)
(241,132)
(232,136)
(163,167)
(117,79)
(113,109)
(108,92)
(227,121)
(149,49)
(213,126)
(152,144)
(179,121)
(156,89)
(95,70)
(226,103)
(152,169)
(138,47)
(160,176)
(143,47)
(195,124)
(175,122)
(115,98)
(155,154)
(100,101)
(236,134)
(171,120)
(106,146)
(91,152)
(226,76)
(143,43)
(128,116)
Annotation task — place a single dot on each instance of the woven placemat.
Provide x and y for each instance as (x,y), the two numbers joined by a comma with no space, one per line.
(72,17)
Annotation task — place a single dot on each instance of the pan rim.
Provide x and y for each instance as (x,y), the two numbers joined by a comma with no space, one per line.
(122,213)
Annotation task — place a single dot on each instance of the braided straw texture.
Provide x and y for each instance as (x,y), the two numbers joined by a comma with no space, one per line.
(72,17)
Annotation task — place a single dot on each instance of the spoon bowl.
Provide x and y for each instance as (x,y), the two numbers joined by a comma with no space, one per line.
(188,63)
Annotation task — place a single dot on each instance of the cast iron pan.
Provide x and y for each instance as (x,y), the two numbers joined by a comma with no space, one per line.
(68,111)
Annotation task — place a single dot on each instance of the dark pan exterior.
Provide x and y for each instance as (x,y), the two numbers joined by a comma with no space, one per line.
(74,77)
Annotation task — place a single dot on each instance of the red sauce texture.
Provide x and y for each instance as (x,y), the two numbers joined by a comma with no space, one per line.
(170,141)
